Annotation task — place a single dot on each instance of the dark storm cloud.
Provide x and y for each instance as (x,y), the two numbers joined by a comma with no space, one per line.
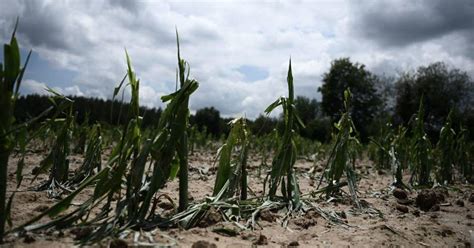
(39,24)
(402,23)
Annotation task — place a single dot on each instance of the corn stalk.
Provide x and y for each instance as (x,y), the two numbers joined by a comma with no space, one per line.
(92,159)
(420,156)
(284,160)
(11,75)
(57,161)
(445,150)
(343,155)
(462,154)
(232,170)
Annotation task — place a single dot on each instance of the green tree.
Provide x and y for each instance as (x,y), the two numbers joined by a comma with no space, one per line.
(443,88)
(366,101)
(208,118)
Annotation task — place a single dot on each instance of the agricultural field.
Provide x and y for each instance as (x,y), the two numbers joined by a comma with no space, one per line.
(67,180)
(403,223)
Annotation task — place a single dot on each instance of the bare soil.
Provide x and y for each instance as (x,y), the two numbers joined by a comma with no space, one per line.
(447,222)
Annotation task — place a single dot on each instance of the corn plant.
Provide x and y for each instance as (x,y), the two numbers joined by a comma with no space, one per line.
(80,135)
(445,151)
(264,145)
(57,161)
(285,157)
(420,156)
(343,154)
(92,160)
(233,171)
(182,145)
(462,155)
(399,156)
(383,143)
(11,75)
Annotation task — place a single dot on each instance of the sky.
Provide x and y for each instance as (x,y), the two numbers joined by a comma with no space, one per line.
(237,50)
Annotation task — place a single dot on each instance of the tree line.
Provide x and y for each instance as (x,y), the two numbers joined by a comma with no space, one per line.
(376,100)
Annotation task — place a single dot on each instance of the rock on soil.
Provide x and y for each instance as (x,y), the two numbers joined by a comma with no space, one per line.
(293,244)
(428,198)
(402,208)
(203,244)
(400,194)
(118,243)
(261,240)
(471,197)
(459,202)
(212,217)
(267,215)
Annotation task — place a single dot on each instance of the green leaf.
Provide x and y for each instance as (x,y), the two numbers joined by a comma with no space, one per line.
(174,169)
(275,104)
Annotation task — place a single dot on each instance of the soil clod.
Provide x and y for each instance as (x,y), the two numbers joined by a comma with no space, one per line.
(118,243)
(261,240)
(428,198)
(402,208)
(203,244)
(400,194)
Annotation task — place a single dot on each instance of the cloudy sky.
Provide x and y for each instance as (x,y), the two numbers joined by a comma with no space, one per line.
(238,51)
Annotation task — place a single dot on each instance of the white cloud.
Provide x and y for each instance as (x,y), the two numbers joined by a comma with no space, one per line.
(30,86)
(89,38)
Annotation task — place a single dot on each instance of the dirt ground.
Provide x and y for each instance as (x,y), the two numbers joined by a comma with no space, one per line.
(448,224)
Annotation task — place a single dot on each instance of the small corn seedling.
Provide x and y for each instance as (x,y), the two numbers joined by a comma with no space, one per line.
(383,143)
(57,161)
(11,75)
(420,156)
(394,153)
(92,160)
(399,156)
(343,154)
(233,171)
(462,154)
(265,145)
(285,157)
(445,151)
(80,135)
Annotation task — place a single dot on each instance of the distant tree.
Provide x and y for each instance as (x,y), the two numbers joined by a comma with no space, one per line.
(307,109)
(443,89)
(208,118)
(263,125)
(366,101)
(98,110)
(317,126)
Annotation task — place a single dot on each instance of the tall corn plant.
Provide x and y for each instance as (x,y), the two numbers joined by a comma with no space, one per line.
(445,151)
(11,75)
(182,145)
(233,171)
(343,154)
(282,172)
(420,156)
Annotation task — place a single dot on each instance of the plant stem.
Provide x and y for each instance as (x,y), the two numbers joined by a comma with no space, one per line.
(243,184)
(4,154)
(183,174)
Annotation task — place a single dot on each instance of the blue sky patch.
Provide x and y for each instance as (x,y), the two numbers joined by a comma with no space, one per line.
(253,73)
